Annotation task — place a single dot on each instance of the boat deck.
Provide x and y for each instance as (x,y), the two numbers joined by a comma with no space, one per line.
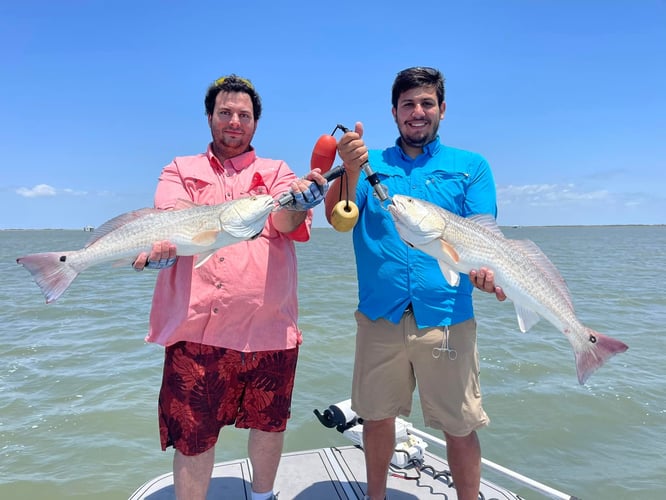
(323,474)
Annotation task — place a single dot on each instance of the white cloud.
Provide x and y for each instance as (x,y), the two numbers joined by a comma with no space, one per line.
(37,191)
(574,204)
(548,194)
(74,192)
(41,190)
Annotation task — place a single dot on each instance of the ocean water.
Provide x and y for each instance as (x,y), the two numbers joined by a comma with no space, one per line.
(78,384)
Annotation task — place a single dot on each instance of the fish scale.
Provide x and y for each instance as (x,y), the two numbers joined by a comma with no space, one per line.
(525,274)
(513,270)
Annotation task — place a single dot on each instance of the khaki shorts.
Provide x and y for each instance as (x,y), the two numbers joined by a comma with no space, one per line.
(391,358)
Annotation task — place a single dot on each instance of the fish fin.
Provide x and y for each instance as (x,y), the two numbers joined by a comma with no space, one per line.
(487,221)
(205,238)
(51,272)
(119,221)
(597,349)
(203,257)
(448,249)
(451,276)
(526,317)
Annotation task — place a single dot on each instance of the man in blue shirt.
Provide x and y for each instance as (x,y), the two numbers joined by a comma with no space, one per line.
(412,325)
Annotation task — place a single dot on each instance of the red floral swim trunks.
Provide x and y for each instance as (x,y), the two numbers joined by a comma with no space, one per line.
(205,388)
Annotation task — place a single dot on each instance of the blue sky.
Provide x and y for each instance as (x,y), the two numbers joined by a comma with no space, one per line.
(564,98)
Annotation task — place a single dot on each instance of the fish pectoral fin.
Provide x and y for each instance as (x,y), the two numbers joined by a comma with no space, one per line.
(451,276)
(449,250)
(526,318)
(203,257)
(205,238)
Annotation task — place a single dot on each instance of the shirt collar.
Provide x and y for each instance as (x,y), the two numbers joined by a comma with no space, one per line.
(238,163)
(429,149)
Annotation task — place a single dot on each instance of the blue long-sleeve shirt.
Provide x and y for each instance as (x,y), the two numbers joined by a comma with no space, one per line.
(392,275)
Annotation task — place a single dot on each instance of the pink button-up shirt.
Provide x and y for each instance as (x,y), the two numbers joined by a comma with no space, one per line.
(245,296)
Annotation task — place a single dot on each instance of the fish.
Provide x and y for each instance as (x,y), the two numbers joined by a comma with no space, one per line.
(198,230)
(525,274)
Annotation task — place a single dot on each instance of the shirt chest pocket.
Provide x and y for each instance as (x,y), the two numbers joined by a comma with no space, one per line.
(447,189)
(201,192)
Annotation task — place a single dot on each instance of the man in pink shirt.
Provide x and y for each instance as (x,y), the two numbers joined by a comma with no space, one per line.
(229,327)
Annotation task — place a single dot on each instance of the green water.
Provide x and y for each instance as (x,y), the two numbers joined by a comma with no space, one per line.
(78,385)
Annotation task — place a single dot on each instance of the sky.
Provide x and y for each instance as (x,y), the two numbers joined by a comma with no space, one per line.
(565,99)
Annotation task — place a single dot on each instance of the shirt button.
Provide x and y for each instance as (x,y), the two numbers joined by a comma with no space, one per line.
(221,259)
(215,310)
(219,285)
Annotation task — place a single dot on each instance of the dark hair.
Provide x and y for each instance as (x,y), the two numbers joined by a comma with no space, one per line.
(418,76)
(232,83)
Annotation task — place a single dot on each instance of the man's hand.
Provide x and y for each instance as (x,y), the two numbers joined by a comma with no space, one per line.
(163,254)
(308,191)
(352,149)
(484,279)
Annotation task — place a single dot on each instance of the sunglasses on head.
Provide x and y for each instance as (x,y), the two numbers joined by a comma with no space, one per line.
(244,81)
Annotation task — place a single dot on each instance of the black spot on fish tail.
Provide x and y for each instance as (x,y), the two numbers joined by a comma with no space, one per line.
(63,258)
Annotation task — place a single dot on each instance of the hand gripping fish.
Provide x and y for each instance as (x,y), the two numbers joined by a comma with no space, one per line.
(195,230)
(526,275)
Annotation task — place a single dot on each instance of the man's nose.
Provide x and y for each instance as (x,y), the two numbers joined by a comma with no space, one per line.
(418,110)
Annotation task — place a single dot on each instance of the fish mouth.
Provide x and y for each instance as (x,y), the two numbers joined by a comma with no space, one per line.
(395,209)
(398,209)
(255,216)
(249,224)
(401,212)
(408,221)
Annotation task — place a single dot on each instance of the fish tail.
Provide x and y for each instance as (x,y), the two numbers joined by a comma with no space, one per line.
(598,348)
(51,271)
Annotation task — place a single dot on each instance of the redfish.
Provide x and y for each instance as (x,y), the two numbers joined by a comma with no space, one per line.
(529,279)
(195,230)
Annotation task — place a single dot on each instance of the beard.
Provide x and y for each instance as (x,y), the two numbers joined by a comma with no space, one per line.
(420,138)
(229,146)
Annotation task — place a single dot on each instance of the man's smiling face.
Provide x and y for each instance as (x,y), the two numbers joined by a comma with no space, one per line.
(417,116)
